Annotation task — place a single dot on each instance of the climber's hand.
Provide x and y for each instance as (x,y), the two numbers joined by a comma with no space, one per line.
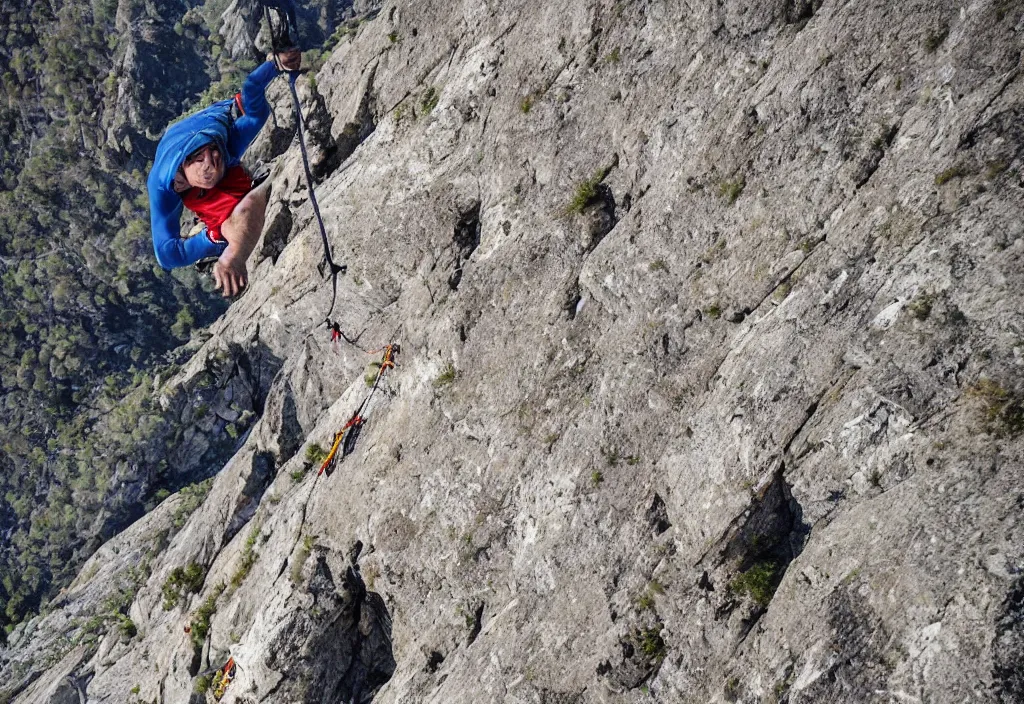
(229,273)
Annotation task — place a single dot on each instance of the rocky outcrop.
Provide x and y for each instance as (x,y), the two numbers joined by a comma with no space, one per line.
(241,30)
(709,384)
(246,36)
(160,67)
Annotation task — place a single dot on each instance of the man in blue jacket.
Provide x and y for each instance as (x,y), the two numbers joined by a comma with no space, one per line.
(198,165)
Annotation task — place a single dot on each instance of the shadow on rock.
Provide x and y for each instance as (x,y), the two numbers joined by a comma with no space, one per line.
(1008,652)
(337,650)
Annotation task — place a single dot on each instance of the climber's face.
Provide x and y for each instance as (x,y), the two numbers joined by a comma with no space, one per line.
(204,168)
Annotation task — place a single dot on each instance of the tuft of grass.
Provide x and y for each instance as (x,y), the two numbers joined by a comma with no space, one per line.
(393,37)
(1002,411)
(650,643)
(127,627)
(202,685)
(447,375)
(949,174)
(714,311)
(758,582)
(192,496)
(182,581)
(732,190)
(596,478)
(921,307)
(731,689)
(345,30)
(875,478)
(315,454)
(657,265)
(646,601)
(430,100)
(200,626)
(91,629)
(249,557)
(613,56)
(585,194)
(526,104)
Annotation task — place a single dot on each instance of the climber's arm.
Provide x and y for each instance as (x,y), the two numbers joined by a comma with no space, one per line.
(171,250)
(256,107)
(254,101)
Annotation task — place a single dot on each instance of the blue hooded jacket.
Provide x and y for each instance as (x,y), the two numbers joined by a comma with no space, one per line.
(232,137)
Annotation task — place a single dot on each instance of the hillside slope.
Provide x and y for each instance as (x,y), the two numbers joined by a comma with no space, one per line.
(88,322)
(708,387)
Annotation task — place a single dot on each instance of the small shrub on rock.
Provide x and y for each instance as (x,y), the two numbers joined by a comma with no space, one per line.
(732,190)
(182,581)
(758,582)
(447,375)
(584,195)
(315,454)
(650,643)
(1002,411)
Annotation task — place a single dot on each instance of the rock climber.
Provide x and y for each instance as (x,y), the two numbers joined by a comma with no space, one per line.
(197,166)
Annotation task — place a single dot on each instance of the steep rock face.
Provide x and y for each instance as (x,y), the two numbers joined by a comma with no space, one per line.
(157,71)
(709,375)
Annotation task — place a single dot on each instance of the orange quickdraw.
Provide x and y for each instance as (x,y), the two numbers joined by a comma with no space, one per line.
(386,362)
(353,422)
(223,679)
(345,438)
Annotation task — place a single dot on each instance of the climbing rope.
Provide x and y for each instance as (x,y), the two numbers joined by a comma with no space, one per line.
(345,439)
(282,34)
(281,40)
(334,268)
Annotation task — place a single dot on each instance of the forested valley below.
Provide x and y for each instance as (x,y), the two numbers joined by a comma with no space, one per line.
(89,323)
